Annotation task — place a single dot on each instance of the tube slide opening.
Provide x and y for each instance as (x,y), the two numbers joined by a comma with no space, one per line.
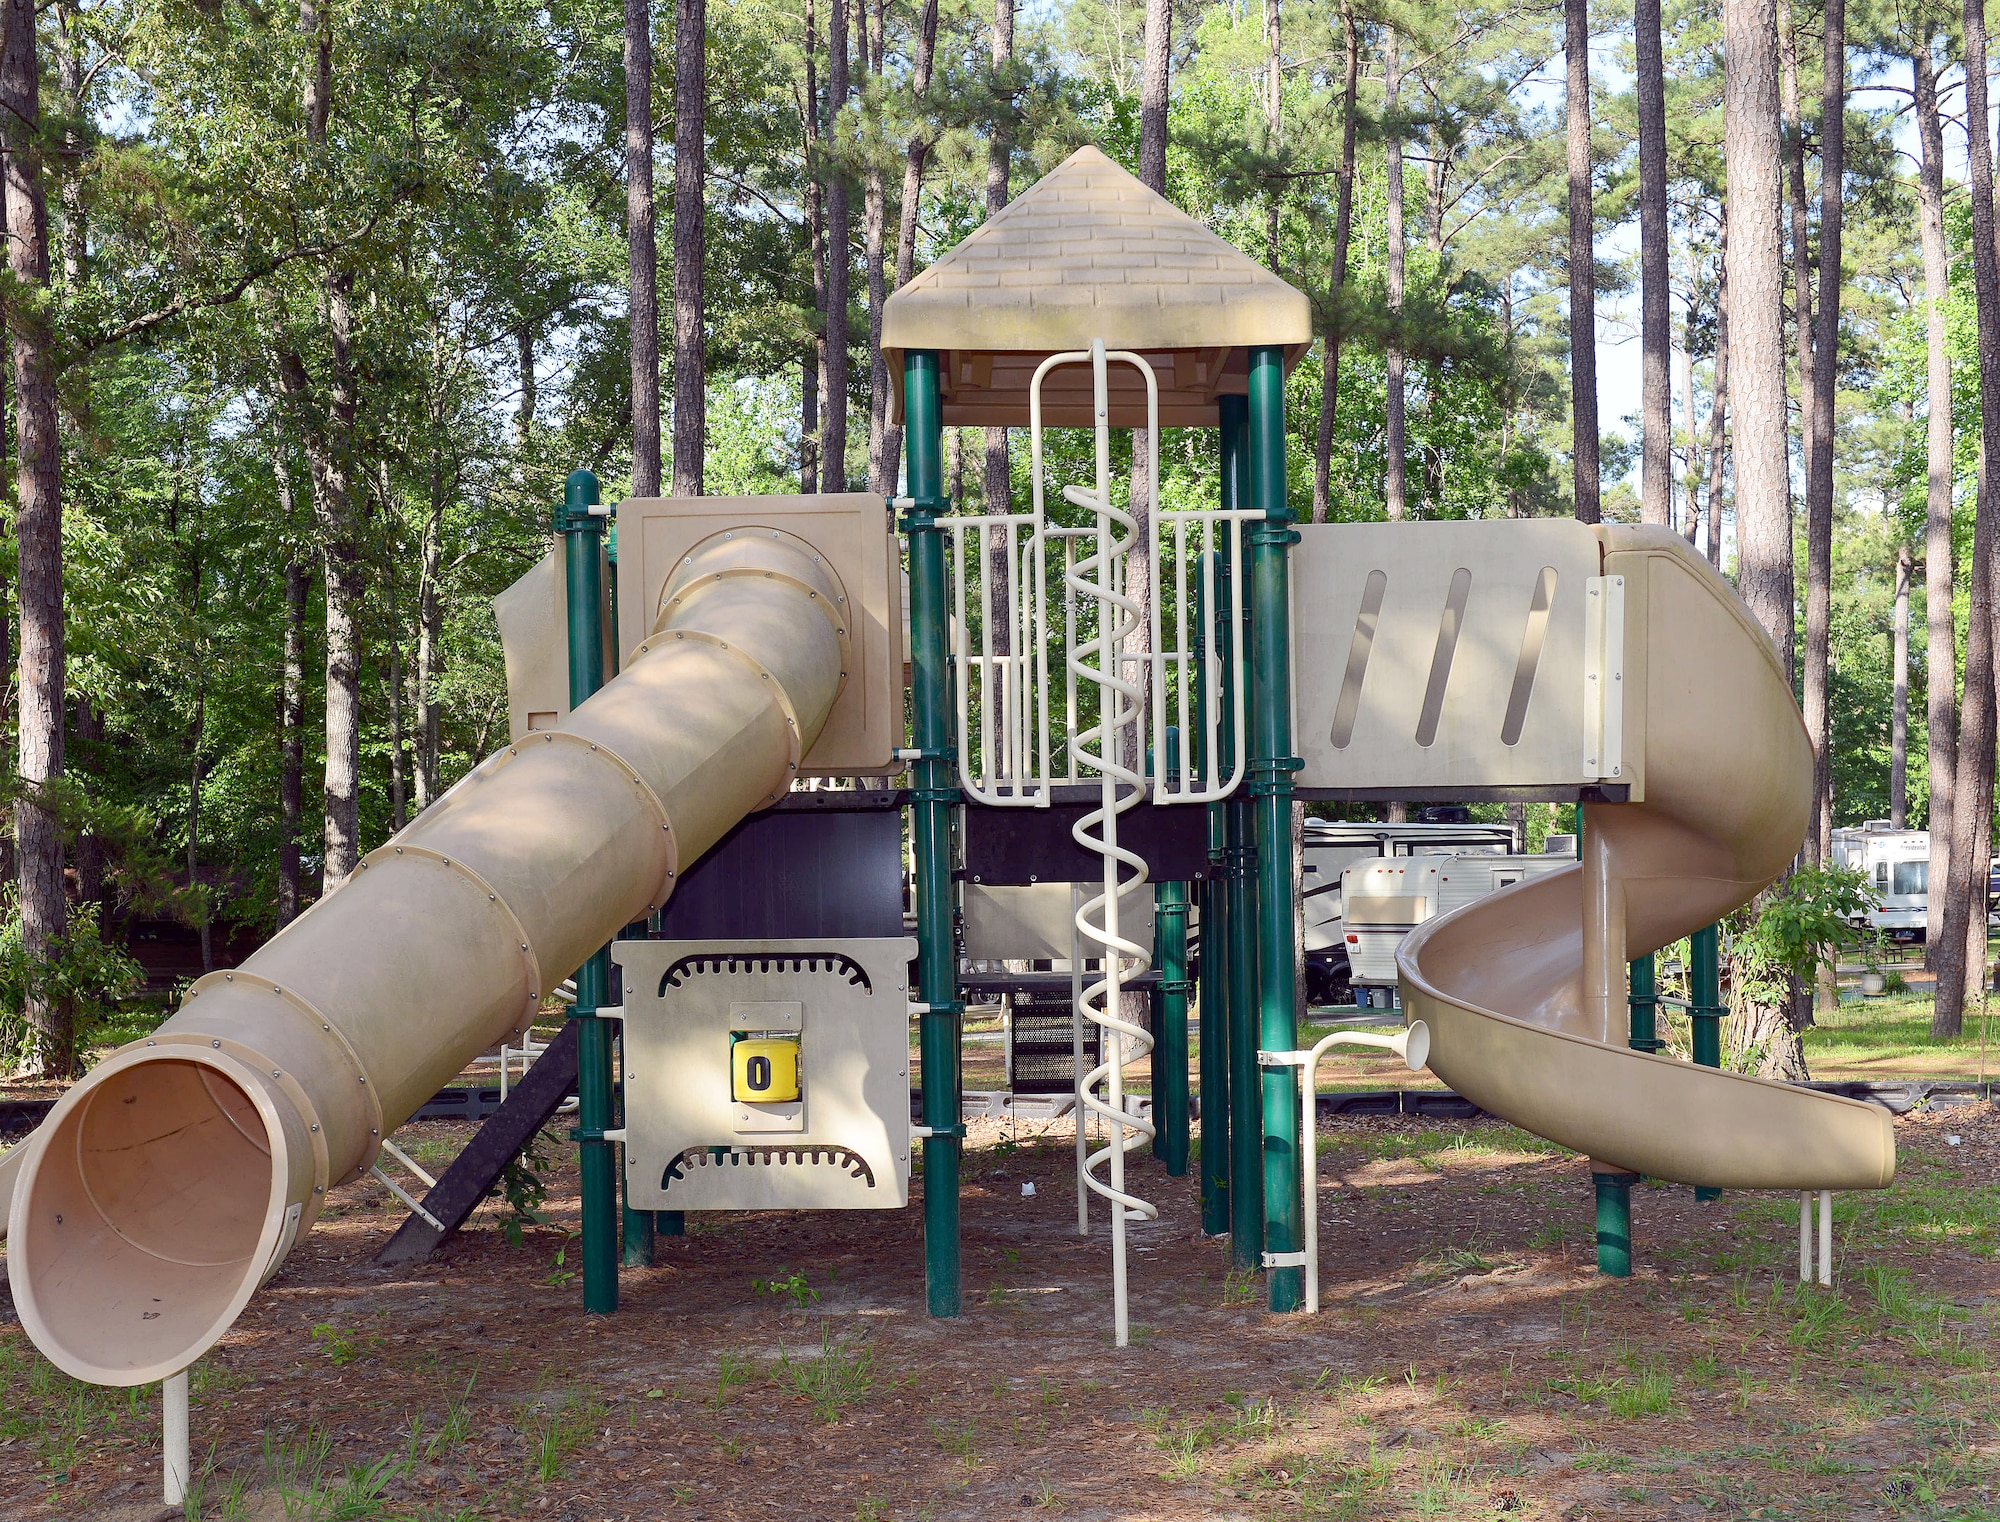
(149,1213)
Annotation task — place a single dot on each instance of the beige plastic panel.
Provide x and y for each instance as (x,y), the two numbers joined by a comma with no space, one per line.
(1502,982)
(845,1146)
(1443,654)
(855,534)
(1034,923)
(533,615)
(167,1184)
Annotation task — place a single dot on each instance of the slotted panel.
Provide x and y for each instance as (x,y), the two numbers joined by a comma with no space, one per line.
(1442,654)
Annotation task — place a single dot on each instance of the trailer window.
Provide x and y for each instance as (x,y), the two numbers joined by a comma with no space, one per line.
(1912,877)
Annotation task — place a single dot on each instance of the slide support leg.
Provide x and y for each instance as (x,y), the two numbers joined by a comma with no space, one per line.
(1705,997)
(1212,995)
(1269,775)
(1614,1222)
(1170,1096)
(1644,996)
(582,536)
(932,798)
(1246,1131)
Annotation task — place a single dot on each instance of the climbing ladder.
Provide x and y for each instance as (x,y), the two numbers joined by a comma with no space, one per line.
(1015,653)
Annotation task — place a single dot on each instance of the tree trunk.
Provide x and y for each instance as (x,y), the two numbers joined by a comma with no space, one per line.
(874,255)
(202,909)
(1756,321)
(690,244)
(1343,223)
(1819,466)
(1582,264)
(399,773)
(38,833)
(344,560)
(642,262)
(89,849)
(1795,169)
(291,705)
(1394,491)
(1685,492)
(291,728)
(997,479)
(833,401)
(1718,401)
(524,399)
(1941,636)
(812,379)
(1153,94)
(1656,404)
(1899,709)
(1274,123)
(430,646)
(1961,961)
(915,158)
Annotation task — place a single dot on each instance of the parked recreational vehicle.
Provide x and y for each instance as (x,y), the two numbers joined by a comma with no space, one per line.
(1385,900)
(1897,864)
(1331,847)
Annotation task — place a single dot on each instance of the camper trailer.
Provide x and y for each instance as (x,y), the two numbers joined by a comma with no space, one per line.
(1385,900)
(1330,847)
(1897,864)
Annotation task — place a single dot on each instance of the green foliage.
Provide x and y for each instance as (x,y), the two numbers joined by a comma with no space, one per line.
(1798,927)
(792,1283)
(83,974)
(524,1186)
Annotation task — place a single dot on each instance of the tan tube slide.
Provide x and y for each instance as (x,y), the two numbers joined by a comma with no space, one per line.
(1524,992)
(171,1182)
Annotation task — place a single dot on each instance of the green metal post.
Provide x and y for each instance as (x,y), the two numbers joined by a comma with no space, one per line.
(1614,1223)
(1169,1005)
(582,534)
(636,1228)
(1644,996)
(932,799)
(1212,969)
(1246,1162)
(1706,1011)
(1270,782)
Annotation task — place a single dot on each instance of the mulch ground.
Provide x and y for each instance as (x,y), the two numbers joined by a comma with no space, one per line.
(1468,1361)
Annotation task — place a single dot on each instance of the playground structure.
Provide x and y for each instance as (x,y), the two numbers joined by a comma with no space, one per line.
(760,644)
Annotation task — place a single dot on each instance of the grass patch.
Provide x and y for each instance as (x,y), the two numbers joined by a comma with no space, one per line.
(840,1375)
(1889,1038)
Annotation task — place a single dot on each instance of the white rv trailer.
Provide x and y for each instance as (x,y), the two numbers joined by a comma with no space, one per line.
(1386,900)
(1897,864)
(1330,847)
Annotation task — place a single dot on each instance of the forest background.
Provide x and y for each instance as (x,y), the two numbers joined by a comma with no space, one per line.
(311,309)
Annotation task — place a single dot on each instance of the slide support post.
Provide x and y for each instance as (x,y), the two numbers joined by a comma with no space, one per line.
(582,535)
(1246,1162)
(1614,1222)
(1706,1011)
(1644,996)
(1270,771)
(932,798)
(1170,1097)
(1212,998)
(1170,1008)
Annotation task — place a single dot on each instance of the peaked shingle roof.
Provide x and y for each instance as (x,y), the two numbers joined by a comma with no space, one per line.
(1090,252)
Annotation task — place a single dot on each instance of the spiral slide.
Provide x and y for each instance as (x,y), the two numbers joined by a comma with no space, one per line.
(1524,991)
(171,1182)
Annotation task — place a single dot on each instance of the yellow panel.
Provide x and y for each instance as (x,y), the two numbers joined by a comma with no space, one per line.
(764,1070)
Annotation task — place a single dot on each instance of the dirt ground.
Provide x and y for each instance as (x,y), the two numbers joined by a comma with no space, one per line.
(1469,1362)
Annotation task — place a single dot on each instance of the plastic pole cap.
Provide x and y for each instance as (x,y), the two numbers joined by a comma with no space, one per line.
(1417,1045)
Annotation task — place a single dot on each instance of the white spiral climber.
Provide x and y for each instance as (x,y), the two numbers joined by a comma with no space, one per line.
(1099,577)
